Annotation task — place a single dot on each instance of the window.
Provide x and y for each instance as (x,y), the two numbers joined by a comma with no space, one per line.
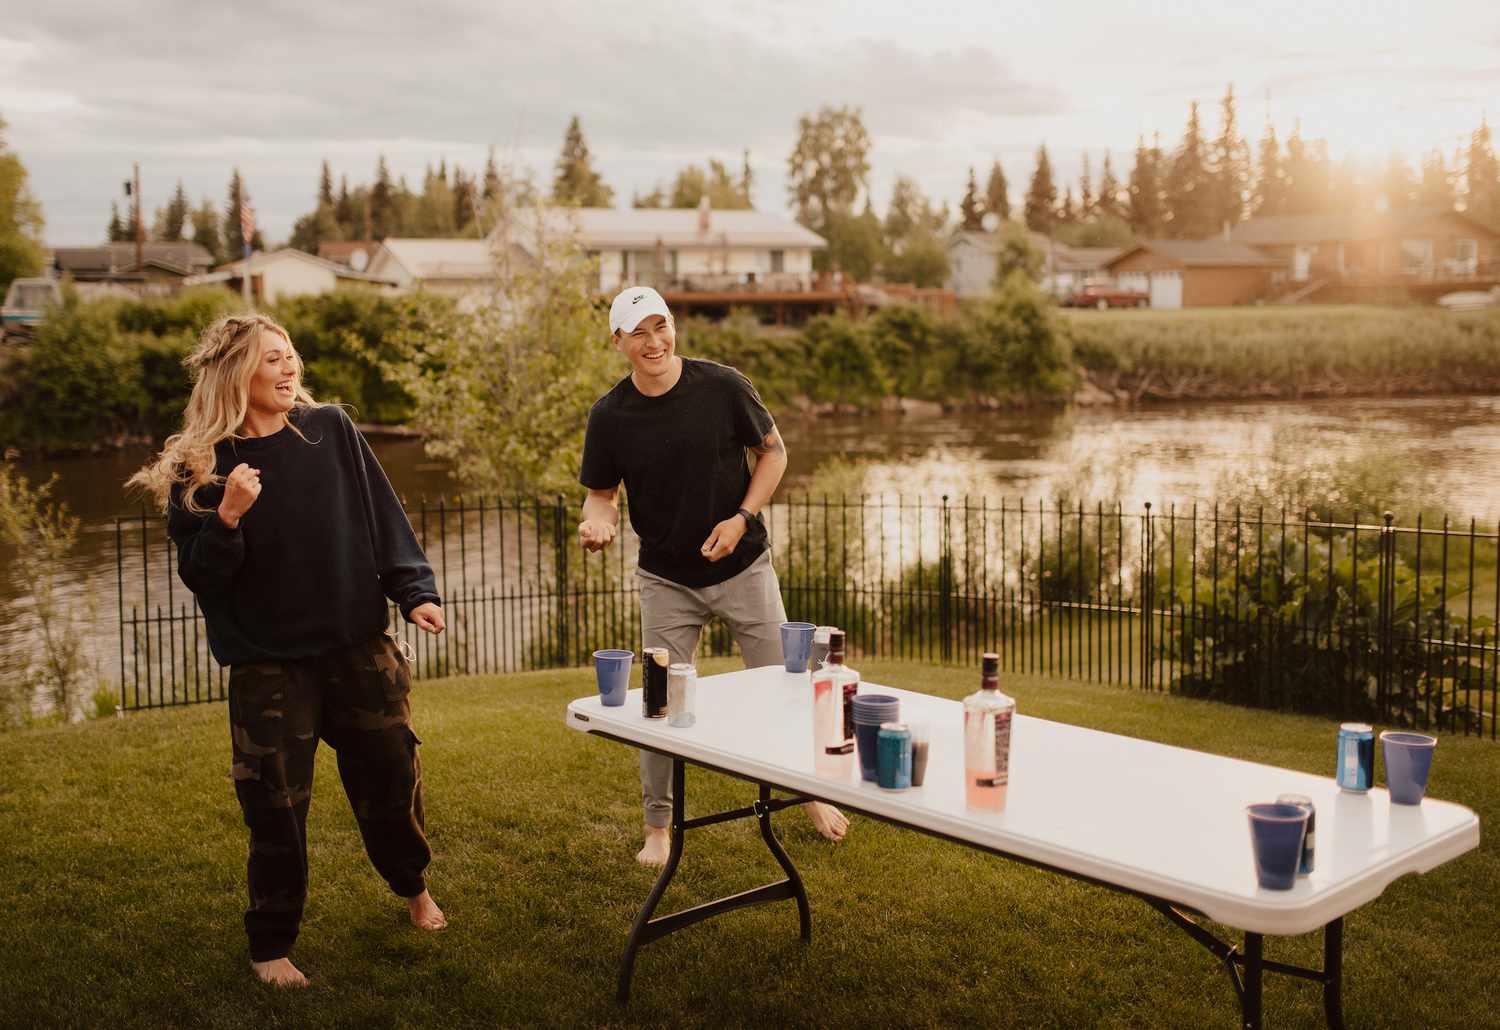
(778,261)
(642,266)
(1416,257)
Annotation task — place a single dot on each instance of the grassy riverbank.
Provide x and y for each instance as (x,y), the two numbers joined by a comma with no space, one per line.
(124,862)
(1286,352)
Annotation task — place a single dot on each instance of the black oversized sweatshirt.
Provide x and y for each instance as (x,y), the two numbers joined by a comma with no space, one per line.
(310,566)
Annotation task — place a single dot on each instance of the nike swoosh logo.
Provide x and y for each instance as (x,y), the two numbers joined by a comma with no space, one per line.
(637,298)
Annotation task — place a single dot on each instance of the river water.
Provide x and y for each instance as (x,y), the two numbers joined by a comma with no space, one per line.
(1181,453)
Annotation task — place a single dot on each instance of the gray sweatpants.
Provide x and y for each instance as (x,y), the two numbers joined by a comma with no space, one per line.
(673,616)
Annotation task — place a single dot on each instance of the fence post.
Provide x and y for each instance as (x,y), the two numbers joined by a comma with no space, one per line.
(945,583)
(1385,617)
(1147,594)
(560,550)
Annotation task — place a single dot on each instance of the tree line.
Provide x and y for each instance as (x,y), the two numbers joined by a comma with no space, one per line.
(1189,191)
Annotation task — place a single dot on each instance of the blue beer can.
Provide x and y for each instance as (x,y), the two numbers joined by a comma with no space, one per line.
(1356,769)
(893,756)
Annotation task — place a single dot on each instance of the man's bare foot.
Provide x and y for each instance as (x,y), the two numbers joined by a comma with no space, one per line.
(658,845)
(279,972)
(425,915)
(828,821)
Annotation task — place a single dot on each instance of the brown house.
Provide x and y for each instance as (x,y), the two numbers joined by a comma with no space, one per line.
(1379,248)
(1194,273)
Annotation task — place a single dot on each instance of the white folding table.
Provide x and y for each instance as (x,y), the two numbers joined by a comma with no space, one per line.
(1163,823)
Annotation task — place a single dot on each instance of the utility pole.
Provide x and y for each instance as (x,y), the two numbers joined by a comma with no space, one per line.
(140,229)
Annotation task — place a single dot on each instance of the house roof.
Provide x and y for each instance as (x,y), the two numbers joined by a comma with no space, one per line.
(611,228)
(113,258)
(260,259)
(1335,228)
(1203,254)
(1064,257)
(340,250)
(441,258)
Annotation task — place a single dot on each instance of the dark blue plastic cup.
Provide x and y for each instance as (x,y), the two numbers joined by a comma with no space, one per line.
(1276,833)
(1408,760)
(796,643)
(612,670)
(870,710)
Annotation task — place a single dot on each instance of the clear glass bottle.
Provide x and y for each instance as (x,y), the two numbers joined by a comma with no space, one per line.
(987,719)
(845,682)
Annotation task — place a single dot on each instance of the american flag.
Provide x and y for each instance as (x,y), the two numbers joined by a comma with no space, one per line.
(247,222)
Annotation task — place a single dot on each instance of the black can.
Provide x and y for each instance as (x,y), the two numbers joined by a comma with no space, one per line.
(654,662)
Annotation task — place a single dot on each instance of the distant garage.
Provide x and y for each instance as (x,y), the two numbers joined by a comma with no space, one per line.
(1194,273)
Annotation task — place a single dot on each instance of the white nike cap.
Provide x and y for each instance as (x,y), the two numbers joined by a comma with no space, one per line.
(633,304)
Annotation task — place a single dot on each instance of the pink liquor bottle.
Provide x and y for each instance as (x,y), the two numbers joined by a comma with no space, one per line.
(987,719)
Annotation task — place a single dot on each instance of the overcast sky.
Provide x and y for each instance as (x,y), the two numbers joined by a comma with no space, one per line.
(192,89)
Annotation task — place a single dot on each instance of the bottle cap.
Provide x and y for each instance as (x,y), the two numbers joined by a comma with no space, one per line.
(991,664)
(835,640)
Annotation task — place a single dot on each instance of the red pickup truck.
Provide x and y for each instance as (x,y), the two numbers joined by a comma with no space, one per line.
(1096,295)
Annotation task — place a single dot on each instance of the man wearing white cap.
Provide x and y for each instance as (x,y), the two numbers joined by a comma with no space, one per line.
(676,432)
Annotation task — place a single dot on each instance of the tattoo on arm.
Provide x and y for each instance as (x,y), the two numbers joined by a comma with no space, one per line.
(772,444)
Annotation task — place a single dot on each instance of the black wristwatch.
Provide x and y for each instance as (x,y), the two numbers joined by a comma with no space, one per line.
(749,518)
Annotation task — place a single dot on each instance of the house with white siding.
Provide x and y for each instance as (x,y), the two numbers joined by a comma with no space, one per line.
(287,273)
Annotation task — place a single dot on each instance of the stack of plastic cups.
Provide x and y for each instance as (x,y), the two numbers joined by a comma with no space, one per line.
(870,710)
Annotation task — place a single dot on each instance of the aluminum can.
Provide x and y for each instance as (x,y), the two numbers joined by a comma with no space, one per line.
(1356,769)
(1303,801)
(893,756)
(682,690)
(654,662)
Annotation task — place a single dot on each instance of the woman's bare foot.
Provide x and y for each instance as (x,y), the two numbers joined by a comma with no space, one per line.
(425,915)
(279,972)
(658,845)
(828,821)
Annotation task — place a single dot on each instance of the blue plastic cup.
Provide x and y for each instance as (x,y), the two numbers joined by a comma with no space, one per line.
(1408,760)
(612,671)
(1276,833)
(796,643)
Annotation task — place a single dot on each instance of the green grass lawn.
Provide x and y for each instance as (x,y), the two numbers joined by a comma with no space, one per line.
(123,870)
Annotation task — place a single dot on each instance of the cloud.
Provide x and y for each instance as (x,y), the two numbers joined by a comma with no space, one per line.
(190,86)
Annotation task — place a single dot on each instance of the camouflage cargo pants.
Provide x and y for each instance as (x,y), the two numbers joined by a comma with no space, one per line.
(356,699)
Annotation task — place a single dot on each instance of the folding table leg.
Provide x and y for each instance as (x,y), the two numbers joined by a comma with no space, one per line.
(1254,955)
(1333,974)
(674,854)
(763,816)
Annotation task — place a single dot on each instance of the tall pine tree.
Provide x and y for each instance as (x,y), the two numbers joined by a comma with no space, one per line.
(971,208)
(1482,178)
(1108,202)
(172,220)
(997,194)
(383,216)
(1190,212)
(116,230)
(1041,195)
(1306,179)
(206,230)
(576,181)
(1086,200)
(1145,190)
(1231,166)
(1436,188)
(325,185)
(234,239)
(1269,196)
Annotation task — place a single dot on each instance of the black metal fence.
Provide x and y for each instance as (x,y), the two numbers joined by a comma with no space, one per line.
(1351,618)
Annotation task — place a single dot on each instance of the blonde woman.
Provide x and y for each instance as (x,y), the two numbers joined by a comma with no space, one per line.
(290,536)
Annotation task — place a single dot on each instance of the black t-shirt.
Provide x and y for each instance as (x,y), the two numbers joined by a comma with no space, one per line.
(682,459)
(310,566)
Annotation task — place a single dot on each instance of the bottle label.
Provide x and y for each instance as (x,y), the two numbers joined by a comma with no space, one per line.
(1002,753)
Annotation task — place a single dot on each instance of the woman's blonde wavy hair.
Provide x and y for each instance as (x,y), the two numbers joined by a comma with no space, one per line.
(221,367)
